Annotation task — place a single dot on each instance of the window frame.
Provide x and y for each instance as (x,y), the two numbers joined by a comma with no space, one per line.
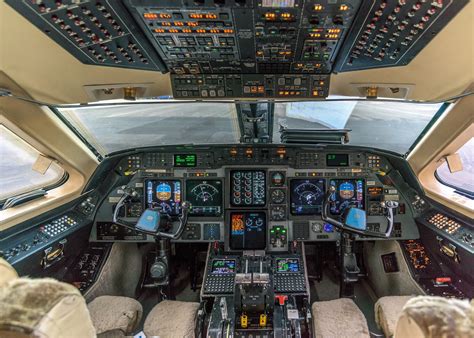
(458,190)
(57,183)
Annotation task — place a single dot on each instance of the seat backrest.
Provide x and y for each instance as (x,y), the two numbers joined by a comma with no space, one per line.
(42,307)
(433,317)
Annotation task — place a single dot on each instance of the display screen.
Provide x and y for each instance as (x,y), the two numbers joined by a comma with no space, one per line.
(307,196)
(223,266)
(348,193)
(278,3)
(205,197)
(164,193)
(185,160)
(288,265)
(248,188)
(247,230)
(337,160)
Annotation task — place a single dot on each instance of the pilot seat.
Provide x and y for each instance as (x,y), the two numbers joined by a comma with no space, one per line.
(45,307)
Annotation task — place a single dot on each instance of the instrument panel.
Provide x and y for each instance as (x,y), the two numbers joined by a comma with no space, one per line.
(257,197)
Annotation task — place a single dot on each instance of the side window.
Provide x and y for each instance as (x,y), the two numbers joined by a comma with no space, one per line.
(463,181)
(16,165)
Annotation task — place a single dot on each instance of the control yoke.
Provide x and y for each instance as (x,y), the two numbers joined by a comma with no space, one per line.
(153,221)
(354,219)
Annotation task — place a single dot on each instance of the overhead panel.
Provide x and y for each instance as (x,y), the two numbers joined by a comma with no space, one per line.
(218,49)
(95,32)
(248,42)
(391,33)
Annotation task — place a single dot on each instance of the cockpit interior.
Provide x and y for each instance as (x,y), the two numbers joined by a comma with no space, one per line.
(237,168)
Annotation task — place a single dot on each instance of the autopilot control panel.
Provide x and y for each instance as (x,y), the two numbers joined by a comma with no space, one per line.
(242,48)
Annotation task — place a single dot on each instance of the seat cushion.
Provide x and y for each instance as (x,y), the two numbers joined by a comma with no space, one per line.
(387,311)
(111,313)
(171,319)
(339,318)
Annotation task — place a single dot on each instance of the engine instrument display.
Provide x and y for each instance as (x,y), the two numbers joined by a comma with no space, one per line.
(307,196)
(205,197)
(223,266)
(164,193)
(248,188)
(247,230)
(288,265)
(348,193)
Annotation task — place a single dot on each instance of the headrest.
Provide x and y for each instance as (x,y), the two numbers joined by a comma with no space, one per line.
(45,308)
(436,317)
(7,272)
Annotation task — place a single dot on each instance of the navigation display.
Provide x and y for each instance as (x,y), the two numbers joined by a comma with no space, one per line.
(223,266)
(248,188)
(247,230)
(164,193)
(307,196)
(288,265)
(205,197)
(348,193)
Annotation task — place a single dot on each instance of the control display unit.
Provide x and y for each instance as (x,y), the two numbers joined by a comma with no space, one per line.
(306,196)
(348,193)
(247,230)
(287,265)
(248,188)
(164,193)
(337,160)
(205,197)
(185,160)
(223,266)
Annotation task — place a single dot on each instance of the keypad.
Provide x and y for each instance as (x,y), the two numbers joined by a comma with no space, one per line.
(58,226)
(291,282)
(219,284)
(445,223)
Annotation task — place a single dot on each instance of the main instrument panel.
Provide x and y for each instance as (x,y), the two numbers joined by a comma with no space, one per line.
(242,48)
(256,197)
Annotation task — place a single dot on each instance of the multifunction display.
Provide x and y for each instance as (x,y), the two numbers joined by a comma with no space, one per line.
(248,188)
(164,193)
(348,193)
(247,230)
(205,197)
(288,265)
(337,160)
(307,196)
(185,160)
(223,266)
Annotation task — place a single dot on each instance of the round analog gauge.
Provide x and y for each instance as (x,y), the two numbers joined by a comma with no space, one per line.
(278,196)
(204,193)
(317,227)
(308,193)
(278,178)
(278,213)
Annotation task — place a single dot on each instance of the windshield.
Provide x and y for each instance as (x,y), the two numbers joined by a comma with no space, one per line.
(393,126)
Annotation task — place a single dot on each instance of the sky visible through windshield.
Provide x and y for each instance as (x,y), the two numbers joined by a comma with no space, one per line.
(384,125)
